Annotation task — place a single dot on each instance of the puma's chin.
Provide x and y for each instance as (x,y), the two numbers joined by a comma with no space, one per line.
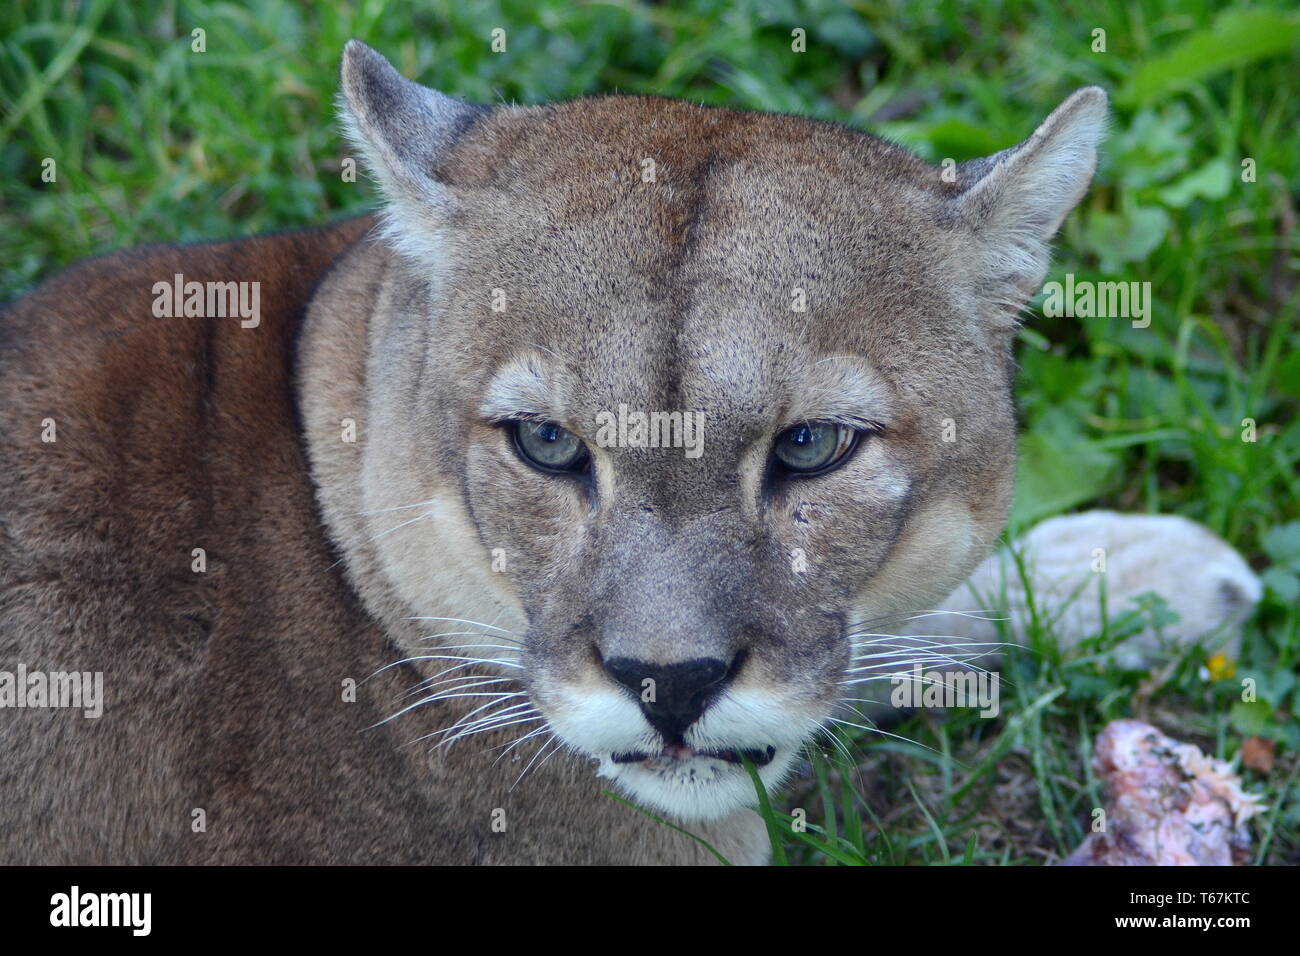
(696,785)
(699,776)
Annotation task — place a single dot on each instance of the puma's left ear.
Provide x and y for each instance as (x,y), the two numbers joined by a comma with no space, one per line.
(402,130)
(1015,200)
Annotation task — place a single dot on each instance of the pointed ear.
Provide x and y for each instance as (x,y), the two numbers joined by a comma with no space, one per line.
(1015,200)
(402,130)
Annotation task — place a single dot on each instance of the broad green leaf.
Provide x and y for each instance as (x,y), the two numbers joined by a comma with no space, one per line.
(1252,719)
(1120,238)
(1237,37)
(1056,473)
(1282,544)
(1154,148)
(1211,181)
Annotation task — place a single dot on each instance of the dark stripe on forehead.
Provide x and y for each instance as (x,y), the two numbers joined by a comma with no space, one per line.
(698,180)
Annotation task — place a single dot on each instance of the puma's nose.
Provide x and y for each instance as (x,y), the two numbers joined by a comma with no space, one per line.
(672,696)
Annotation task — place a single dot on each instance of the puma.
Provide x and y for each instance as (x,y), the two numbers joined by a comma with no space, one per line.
(361,581)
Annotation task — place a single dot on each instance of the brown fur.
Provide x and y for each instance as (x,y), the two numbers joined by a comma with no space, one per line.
(224,688)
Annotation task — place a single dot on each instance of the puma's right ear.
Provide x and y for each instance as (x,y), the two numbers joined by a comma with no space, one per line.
(402,130)
(1015,200)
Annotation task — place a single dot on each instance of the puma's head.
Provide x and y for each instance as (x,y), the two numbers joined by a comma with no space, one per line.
(818,326)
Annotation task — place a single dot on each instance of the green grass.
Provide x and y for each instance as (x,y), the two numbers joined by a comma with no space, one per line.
(154,142)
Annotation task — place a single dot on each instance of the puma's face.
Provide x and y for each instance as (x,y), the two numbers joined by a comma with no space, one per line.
(816,324)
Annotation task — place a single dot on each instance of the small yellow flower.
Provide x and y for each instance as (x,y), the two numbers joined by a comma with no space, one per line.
(1220,667)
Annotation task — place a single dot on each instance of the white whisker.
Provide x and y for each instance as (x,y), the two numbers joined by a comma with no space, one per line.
(464,726)
(477,728)
(883,733)
(446,657)
(461,620)
(540,750)
(511,745)
(465,680)
(377,511)
(449,695)
(419,517)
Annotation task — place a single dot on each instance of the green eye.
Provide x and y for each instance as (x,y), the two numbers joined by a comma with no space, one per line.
(547,446)
(814,447)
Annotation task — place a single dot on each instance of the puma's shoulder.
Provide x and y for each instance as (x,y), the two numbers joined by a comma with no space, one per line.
(112,410)
(133,442)
(76,338)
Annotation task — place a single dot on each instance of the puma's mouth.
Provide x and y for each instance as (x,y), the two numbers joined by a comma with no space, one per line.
(759,757)
(698,775)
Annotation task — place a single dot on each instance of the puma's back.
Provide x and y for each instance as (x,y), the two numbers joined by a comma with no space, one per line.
(418,486)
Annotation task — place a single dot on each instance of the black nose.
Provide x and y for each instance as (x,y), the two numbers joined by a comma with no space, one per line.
(672,696)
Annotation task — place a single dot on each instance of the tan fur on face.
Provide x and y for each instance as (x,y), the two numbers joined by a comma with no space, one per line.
(567,282)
